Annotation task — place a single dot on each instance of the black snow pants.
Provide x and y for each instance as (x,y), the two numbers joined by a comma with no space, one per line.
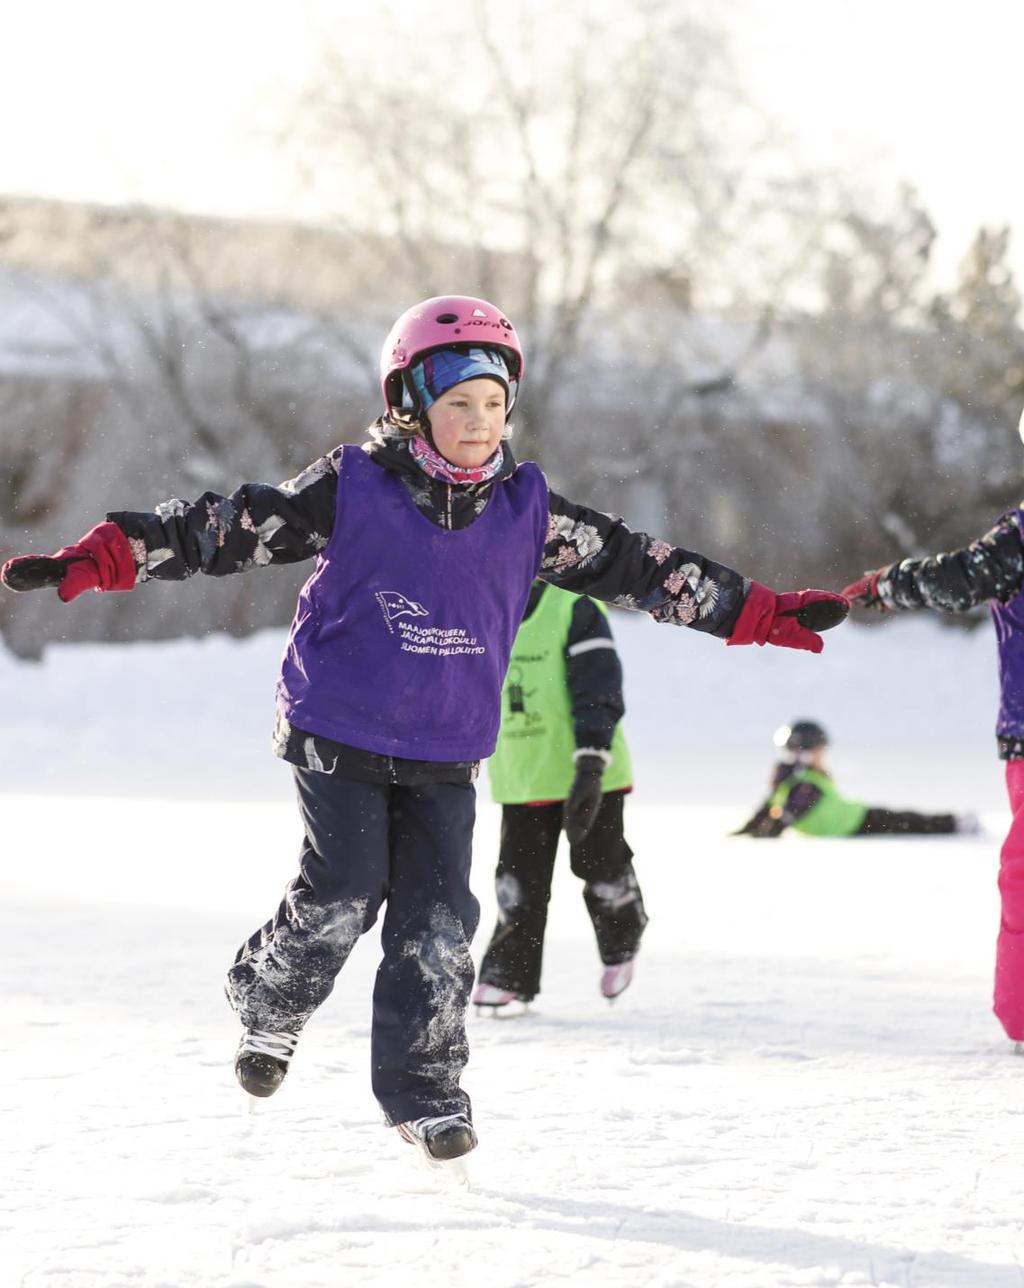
(526,861)
(905,822)
(368,844)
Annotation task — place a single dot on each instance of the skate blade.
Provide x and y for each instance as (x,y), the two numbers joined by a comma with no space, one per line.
(510,1011)
(449,1172)
(612,998)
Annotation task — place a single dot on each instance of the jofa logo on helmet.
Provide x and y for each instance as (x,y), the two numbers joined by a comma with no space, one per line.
(479,318)
(395,605)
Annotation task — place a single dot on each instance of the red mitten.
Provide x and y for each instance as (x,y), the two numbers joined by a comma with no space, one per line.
(789,620)
(864,591)
(101,560)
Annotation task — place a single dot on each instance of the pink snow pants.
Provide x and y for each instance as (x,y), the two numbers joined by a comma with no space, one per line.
(1009,991)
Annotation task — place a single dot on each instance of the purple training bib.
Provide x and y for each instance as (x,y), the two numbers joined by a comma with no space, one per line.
(402,635)
(1009,624)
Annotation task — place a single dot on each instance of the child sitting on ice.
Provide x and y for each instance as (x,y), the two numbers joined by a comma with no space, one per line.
(804,796)
(561,763)
(426,541)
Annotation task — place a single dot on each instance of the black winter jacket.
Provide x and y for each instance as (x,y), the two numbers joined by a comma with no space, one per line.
(587,552)
(992,567)
(766,821)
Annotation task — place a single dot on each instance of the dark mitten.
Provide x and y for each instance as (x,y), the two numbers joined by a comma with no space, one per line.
(790,620)
(757,823)
(584,799)
(101,560)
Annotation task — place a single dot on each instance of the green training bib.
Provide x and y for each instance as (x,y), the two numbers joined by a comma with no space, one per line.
(533,760)
(831,816)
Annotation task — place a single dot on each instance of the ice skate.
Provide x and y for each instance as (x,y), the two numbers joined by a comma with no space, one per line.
(1018,1048)
(263,1059)
(616,979)
(492,999)
(440,1140)
(967,825)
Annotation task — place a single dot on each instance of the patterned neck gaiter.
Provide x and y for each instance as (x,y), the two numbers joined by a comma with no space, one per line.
(431,462)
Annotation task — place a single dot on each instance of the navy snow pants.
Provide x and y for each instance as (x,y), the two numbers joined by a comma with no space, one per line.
(368,844)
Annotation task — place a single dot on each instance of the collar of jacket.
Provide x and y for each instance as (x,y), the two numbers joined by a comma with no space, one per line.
(448,505)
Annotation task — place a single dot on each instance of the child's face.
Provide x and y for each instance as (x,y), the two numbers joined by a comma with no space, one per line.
(468,421)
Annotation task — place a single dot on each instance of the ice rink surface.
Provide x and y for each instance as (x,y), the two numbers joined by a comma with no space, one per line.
(804,1086)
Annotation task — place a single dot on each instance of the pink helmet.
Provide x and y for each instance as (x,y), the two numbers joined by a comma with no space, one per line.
(440,323)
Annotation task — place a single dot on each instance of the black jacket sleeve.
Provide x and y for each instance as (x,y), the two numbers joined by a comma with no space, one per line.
(770,821)
(594,677)
(218,535)
(592,553)
(990,568)
(762,823)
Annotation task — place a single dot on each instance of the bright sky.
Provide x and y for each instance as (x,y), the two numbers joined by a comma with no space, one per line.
(926,90)
(169,103)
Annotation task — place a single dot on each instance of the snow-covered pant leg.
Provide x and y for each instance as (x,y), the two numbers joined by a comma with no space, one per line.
(419,1046)
(522,881)
(284,971)
(1009,986)
(611,891)
(905,822)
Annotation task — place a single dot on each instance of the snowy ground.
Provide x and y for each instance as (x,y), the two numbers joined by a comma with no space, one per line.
(804,1086)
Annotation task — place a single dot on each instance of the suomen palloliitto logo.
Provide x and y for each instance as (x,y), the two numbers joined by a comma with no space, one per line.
(394,605)
(421,640)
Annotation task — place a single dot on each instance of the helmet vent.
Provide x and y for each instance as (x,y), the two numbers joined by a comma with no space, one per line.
(447,317)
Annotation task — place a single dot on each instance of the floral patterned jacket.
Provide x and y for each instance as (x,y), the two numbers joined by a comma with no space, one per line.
(988,570)
(587,552)
(992,567)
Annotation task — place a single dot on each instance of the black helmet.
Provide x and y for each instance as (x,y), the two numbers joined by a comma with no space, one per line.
(800,736)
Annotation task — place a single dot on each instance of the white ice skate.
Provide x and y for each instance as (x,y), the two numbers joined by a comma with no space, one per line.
(616,979)
(491,998)
(967,825)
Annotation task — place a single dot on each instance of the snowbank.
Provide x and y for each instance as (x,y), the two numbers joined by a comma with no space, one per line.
(910,706)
